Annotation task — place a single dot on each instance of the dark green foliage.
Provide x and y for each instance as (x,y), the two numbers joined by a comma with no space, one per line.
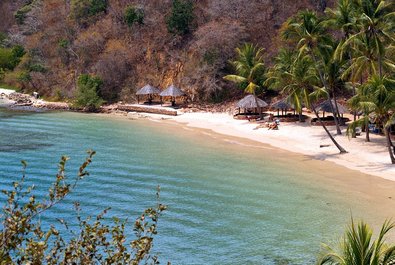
(24,76)
(358,247)
(249,69)
(6,59)
(133,15)
(18,51)
(3,37)
(95,240)
(10,58)
(181,17)
(20,14)
(88,92)
(63,43)
(82,10)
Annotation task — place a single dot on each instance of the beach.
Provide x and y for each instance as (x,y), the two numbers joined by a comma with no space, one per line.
(367,157)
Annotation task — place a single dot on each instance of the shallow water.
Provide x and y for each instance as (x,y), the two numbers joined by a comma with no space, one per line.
(229,201)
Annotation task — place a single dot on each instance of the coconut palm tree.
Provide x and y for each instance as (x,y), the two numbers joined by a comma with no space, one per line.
(361,103)
(250,68)
(300,82)
(358,248)
(363,63)
(376,23)
(378,96)
(294,76)
(307,31)
(277,75)
(343,17)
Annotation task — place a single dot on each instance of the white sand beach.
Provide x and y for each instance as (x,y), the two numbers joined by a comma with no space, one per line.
(367,157)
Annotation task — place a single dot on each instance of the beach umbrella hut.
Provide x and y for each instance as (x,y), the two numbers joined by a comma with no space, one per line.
(326,107)
(282,105)
(173,92)
(147,90)
(252,102)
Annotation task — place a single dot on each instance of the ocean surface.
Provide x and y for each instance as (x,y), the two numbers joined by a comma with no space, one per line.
(229,201)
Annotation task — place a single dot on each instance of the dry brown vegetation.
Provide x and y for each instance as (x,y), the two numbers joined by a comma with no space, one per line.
(128,58)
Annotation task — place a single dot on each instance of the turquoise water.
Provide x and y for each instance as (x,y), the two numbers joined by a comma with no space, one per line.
(228,203)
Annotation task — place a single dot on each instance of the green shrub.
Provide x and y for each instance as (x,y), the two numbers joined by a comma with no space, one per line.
(10,58)
(63,43)
(20,14)
(93,240)
(6,59)
(181,17)
(24,76)
(2,74)
(88,92)
(3,37)
(36,67)
(18,51)
(82,10)
(133,15)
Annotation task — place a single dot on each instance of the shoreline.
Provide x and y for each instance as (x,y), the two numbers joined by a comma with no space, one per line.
(301,138)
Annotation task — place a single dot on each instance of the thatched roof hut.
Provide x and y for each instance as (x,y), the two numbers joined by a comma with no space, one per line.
(172,91)
(281,105)
(326,107)
(251,102)
(148,90)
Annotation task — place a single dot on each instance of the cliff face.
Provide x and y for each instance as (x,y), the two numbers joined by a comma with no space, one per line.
(129,57)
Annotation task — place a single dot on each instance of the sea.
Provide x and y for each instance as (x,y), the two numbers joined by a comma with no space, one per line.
(230,200)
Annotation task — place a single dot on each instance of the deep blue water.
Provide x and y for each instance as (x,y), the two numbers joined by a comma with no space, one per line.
(227,203)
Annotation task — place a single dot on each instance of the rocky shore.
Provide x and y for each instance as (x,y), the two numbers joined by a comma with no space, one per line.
(15,100)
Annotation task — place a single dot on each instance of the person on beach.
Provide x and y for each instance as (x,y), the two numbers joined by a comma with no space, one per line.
(273,126)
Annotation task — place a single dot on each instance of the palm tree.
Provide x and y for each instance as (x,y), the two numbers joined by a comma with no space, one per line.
(277,75)
(343,17)
(361,103)
(358,248)
(363,64)
(333,69)
(250,68)
(376,22)
(306,30)
(299,81)
(378,96)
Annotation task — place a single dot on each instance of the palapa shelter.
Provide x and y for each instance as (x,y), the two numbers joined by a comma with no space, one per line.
(282,105)
(250,102)
(326,107)
(172,92)
(149,91)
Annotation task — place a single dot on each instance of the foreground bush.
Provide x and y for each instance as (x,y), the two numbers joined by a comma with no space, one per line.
(23,240)
(358,248)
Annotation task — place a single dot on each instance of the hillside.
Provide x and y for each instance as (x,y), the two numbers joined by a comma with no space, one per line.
(62,43)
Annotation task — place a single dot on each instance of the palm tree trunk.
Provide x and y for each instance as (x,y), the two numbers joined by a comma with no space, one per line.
(341,149)
(367,129)
(380,66)
(390,145)
(337,112)
(301,116)
(327,89)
